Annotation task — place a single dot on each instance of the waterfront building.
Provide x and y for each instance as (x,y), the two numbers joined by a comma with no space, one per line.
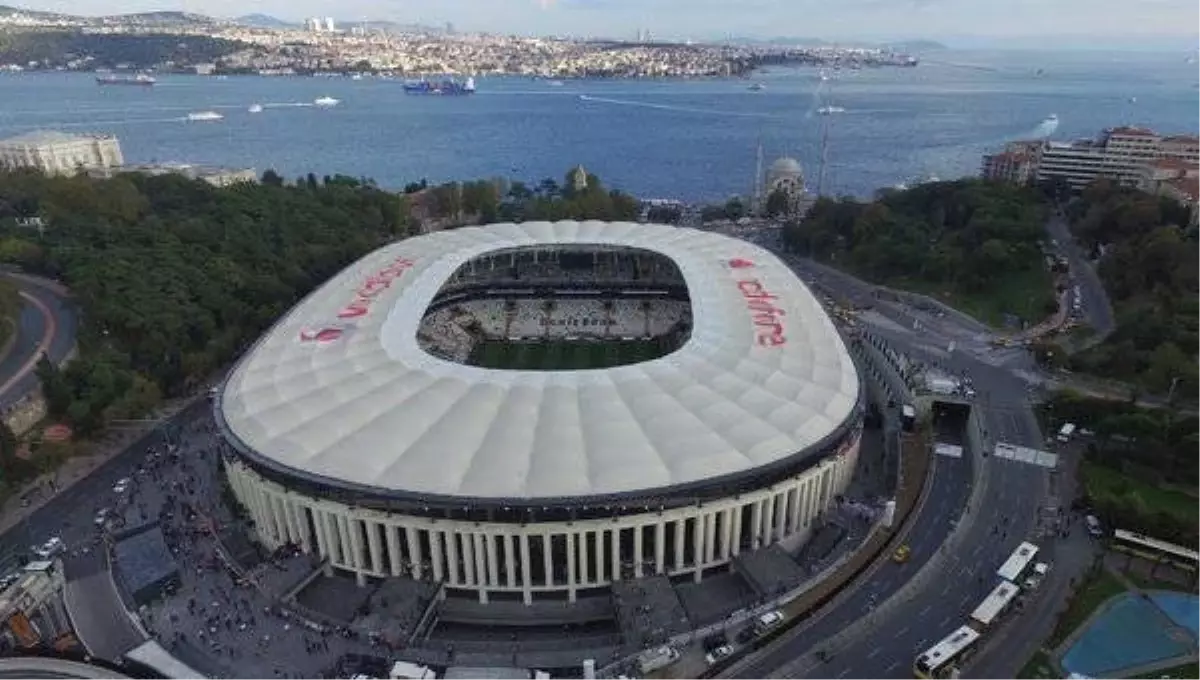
(1120,154)
(1176,179)
(32,612)
(1016,164)
(59,153)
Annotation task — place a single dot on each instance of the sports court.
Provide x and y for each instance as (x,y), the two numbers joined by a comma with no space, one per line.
(1131,630)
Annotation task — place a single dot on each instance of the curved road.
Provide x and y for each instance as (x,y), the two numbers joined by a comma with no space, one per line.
(47,324)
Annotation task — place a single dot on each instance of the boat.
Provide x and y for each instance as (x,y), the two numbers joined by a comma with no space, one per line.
(1133,100)
(140,79)
(757,87)
(326,102)
(256,108)
(826,110)
(555,83)
(204,115)
(444,87)
(1052,119)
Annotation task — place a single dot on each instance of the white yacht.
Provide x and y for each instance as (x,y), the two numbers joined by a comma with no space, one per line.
(826,110)
(204,115)
(326,102)
(256,108)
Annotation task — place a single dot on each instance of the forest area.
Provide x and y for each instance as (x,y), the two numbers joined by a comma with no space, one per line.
(975,245)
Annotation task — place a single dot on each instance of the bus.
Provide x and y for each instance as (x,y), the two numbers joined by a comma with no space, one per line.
(1155,550)
(994,605)
(1016,564)
(940,661)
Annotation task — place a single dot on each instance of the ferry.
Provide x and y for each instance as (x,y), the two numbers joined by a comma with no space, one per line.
(204,115)
(445,87)
(256,108)
(326,102)
(140,79)
(826,110)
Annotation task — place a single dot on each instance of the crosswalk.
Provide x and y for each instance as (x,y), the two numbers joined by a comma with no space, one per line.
(1024,454)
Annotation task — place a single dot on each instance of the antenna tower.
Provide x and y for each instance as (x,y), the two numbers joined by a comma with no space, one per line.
(758,178)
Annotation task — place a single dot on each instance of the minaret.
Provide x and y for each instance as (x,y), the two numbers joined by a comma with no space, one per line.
(824,154)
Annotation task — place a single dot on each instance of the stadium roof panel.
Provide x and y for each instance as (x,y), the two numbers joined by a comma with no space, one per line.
(339,390)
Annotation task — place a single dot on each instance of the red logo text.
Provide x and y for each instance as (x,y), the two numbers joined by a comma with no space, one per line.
(768,318)
(373,286)
(739,263)
(321,335)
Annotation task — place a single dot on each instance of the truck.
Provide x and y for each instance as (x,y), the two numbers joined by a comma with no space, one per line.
(659,657)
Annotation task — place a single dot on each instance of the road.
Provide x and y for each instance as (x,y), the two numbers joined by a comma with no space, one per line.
(1008,513)
(1095,305)
(47,324)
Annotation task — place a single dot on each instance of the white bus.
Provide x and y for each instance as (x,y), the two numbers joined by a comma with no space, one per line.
(1016,564)
(1154,549)
(995,604)
(940,661)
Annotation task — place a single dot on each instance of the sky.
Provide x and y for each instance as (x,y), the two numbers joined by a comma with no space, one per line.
(1172,24)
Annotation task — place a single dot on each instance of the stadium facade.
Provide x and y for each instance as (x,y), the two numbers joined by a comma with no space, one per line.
(365,427)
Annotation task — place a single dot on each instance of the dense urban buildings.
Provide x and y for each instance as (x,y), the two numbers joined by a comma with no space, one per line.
(59,153)
(543,409)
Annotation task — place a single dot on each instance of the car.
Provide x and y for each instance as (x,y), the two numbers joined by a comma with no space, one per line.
(121,486)
(902,554)
(102,516)
(768,621)
(50,548)
(717,654)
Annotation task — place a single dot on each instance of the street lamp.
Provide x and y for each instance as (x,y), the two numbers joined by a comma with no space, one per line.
(1171,392)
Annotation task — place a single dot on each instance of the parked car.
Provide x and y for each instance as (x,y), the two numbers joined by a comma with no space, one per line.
(717,654)
(902,554)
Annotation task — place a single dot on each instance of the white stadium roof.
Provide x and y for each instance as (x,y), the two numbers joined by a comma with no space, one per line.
(369,408)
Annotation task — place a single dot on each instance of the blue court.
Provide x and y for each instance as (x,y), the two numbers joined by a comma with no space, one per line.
(1131,630)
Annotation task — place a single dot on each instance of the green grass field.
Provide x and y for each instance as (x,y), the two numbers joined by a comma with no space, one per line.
(563,355)
(1103,482)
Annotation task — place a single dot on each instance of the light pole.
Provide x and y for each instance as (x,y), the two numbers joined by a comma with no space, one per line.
(1171,392)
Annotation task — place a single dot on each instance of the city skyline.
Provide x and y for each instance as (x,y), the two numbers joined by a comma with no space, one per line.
(1166,24)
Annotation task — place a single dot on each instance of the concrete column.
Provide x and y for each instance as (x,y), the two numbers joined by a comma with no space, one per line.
(710,536)
(547,563)
(493,559)
(756,520)
(468,559)
(306,538)
(735,541)
(345,548)
(584,538)
(286,519)
(510,562)
(452,570)
(395,556)
(780,515)
(614,544)
(680,532)
(374,545)
(599,557)
(726,533)
(322,540)
(810,501)
(479,547)
(415,554)
(697,546)
(768,517)
(356,547)
(660,546)
(435,555)
(571,574)
(526,570)
(333,531)
(639,556)
(795,507)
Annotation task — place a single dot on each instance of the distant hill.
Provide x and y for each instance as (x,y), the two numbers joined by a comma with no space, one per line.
(263,21)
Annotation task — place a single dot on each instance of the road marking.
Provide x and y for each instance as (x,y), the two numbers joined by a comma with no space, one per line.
(843,673)
(925,611)
(873,653)
(944,622)
(900,633)
(47,339)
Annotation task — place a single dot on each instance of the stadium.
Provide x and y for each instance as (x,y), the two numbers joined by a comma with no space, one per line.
(534,410)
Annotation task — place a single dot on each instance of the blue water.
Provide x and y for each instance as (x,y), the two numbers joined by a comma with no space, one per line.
(1131,631)
(687,139)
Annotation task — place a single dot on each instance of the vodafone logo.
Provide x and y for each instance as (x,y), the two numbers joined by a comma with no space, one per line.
(765,312)
(739,263)
(323,335)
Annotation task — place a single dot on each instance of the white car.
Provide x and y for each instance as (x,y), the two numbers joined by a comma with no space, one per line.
(121,486)
(717,654)
(50,548)
(102,516)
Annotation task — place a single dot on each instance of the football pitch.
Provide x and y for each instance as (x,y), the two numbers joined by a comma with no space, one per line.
(563,355)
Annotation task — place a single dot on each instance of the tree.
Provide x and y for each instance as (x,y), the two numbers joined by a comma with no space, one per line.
(778,203)
(735,209)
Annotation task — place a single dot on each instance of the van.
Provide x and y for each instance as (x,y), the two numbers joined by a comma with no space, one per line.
(654,659)
(768,621)
(1064,435)
(1094,528)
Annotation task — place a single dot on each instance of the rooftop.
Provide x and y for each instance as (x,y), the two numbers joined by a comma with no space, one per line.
(48,137)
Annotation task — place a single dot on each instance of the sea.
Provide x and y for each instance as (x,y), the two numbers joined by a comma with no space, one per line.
(693,140)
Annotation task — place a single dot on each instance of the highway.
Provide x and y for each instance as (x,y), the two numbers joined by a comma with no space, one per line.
(47,324)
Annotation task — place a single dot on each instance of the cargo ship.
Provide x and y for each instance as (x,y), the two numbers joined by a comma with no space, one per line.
(140,79)
(444,87)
